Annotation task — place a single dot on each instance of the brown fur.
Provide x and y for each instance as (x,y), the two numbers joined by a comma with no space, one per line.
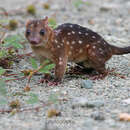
(70,42)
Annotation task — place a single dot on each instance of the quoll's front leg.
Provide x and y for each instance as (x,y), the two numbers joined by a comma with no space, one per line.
(47,77)
(60,68)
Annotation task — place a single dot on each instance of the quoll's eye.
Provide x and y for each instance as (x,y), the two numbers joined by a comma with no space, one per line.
(28,32)
(42,32)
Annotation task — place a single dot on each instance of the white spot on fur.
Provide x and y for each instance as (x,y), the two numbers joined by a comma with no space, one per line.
(60,58)
(80,42)
(60,63)
(67,43)
(81,50)
(57,31)
(71,26)
(71,47)
(58,46)
(73,32)
(80,33)
(61,44)
(93,37)
(56,41)
(69,33)
(73,42)
(94,47)
(70,53)
(86,34)
(100,49)
(87,45)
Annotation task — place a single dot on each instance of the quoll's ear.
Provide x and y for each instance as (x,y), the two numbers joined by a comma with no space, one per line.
(45,20)
(28,22)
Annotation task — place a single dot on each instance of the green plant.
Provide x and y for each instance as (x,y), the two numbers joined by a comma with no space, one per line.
(13,41)
(31,9)
(78,3)
(52,22)
(13,24)
(8,50)
(3,92)
(45,69)
(33,99)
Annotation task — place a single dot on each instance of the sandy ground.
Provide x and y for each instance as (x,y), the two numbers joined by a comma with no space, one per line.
(110,96)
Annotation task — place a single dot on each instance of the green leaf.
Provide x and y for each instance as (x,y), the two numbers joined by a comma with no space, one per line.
(52,22)
(78,3)
(44,71)
(34,63)
(3,100)
(17,45)
(47,68)
(13,41)
(53,98)
(4,21)
(2,71)
(33,99)
(3,90)
(3,53)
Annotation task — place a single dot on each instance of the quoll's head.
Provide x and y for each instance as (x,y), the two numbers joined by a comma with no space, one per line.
(37,32)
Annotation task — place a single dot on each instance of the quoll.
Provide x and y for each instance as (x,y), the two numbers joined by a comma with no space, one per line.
(70,42)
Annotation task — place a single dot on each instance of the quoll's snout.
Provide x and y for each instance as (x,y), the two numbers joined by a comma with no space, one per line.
(34,41)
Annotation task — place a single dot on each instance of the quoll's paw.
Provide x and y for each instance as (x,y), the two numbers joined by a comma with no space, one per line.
(50,81)
(47,78)
(55,82)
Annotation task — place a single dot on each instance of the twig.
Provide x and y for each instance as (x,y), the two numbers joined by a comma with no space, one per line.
(2,37)
(118,75)
(35,71)
(15,79)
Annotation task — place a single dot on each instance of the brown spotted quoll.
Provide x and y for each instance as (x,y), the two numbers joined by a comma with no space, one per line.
(70,42)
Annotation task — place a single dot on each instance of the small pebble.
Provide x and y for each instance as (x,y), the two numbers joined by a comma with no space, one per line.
(96,103)
(83,102)
(127,101)
(98,116)
(79,102)
(87,84)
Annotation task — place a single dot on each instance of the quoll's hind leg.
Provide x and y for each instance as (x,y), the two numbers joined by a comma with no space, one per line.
(100,68)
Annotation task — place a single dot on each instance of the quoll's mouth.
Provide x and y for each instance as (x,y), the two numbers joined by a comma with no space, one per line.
(34,42)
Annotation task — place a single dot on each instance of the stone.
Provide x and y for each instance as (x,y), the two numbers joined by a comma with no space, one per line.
(98,116)
(87,84)
(96,103)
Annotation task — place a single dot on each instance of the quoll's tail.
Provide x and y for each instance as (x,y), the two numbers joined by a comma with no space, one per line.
(120,50)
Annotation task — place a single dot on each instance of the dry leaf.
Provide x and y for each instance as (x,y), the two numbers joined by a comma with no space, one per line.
(124,117)
(53,112)
(15,104)
(27,88)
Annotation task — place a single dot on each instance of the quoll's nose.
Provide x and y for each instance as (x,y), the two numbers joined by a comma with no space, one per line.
(34,41)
